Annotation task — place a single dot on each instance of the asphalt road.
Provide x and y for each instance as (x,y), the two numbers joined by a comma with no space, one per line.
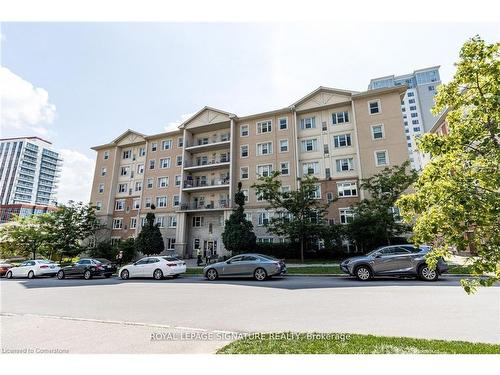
(191,315)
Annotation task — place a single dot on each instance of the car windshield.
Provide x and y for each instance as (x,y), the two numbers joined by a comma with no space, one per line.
(373,252)
(268,257)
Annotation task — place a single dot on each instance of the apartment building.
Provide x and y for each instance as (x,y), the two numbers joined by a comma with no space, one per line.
(29,173)
(416,104)
(191,174)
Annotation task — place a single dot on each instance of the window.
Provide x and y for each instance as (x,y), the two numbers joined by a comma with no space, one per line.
(178,179)
(324,126)
(117,223)
(149,183)
(161,201)
(374,107)
(316,193)
(343,165)
(327,173)
(147,204)
(198,221)
(162,182)
(284,145)
(244,173)
(244,151)
(166,144)
(414,115)
(285,168)
(176,201)
(154,146)
(263,219)
(106,155)
(133,222)
(247,216)
(138,186)
(245,193)
(413,108)
(309,145)
(346,215)
(119,205)
(172,221)
(202,141)
(103,171)
(377,131)
(178,160)
(347,189)
(264,148)
(264,127)
(308,123)
(152,164)
(416,129)
(264,170)
(431,88)
(127,154)
(100,189)
(343,140)
(142,151)
(411,101)
(414,122)
(264,240)
(244,130)
(340,117)
(140,168)
(283,123)
(329,197)
(160,221)
(381,158)
(122,188)
(98,206)
(285,189)
(410,94)
(165,163)
(136,204)
(124,171)
(310,168)
(180,142)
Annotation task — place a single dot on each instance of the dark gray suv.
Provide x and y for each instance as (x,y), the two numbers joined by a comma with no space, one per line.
(397,260)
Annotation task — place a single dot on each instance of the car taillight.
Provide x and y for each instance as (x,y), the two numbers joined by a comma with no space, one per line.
(44,266)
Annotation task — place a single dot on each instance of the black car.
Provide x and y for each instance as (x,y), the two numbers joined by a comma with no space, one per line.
(88,268)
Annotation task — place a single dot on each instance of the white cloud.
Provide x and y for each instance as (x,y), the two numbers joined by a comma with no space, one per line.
(24,107)
(76,177)
(175,124)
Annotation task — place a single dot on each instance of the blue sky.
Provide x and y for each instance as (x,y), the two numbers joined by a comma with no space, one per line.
(103,78)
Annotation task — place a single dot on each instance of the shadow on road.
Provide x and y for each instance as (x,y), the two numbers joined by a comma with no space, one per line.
(286,282)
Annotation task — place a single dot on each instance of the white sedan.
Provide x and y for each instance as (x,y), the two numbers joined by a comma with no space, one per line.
(156,267)
(34,268)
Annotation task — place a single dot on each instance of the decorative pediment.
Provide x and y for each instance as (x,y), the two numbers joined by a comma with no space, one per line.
(129,137)
(206,116)
(323,96)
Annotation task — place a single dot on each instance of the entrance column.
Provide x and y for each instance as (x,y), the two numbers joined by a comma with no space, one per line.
(181,235)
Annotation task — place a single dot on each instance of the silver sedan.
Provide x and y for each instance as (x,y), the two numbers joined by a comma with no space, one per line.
(258,266)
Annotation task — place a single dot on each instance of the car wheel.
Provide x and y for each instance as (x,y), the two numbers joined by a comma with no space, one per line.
(9,275)
(158,274)
(31,275)
(212,274)
(60,275)
(87,275)
(426,273)
(124,275)
(363,273)
(260,274)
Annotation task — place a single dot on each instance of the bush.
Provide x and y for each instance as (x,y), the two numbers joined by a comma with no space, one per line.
(279,250)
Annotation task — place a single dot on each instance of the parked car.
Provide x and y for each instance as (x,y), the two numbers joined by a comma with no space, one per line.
(108,265)
(34,268)
(4,267)
(156,267)
(86,268)
(397,260)
(258,266)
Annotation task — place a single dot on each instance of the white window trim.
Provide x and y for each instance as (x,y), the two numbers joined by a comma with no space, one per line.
(383,132)
(117,218)
(263,143)
(386,158)
(287,145)
(158,182)
(248,172)
(169,162)
(248,151)
(347,182)
(286,161)
(379,107)
(131,219)
(340,215)
(262,165)
(158,205)
(279,125)
(260,122)
(248,130)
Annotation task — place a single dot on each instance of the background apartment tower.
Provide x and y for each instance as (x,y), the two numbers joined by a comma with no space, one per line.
(416,105)
(29,172)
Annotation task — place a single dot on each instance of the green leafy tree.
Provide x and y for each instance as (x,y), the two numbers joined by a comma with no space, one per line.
(375,222)
(298,215)
(69,226)
(238,235)
(456,203)
(104,250)
(150,241)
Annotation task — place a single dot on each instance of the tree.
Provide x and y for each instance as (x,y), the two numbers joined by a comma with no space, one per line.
(456,203)
(150,241)
(298,214)
(375,223)
(26,236)
(238,235)
(69,225)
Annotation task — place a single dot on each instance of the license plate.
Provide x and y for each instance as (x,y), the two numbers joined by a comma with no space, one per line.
(52,267)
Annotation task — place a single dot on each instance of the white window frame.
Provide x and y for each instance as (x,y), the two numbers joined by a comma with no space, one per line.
(342,188)
(198,221)
(140,168)
(100,188)
(103,171)
(152,180)
(106,155)
(304,145)
(347,138)
(241,173)
(117,220)
(138,186)
(373,133)
(288,168)
(178,180)
(125,190)
(168,163)
(260,148)
(350,164)
(166,144)
(286,122)
(158,201)
(316,171)
(304,120)
(161,178)
(178,161)
(346,214)
(287,145)
(133,222)
(136,204)
(154,146)
(176,200)
(241,151)
(265,165)
(261,217)
(386,158)
(378,105)
(242,130)
(268,126)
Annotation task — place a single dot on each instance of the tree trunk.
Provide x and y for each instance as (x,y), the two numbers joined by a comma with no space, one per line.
(302,249)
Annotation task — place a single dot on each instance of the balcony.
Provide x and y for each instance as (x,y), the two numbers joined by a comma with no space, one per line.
(224,204)
(217,163)
(208,145)
(212,184)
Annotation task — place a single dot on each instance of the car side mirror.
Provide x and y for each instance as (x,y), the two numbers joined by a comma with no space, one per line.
(378,256)
(228,262)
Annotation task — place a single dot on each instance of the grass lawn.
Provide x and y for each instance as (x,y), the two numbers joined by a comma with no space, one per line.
(351,344)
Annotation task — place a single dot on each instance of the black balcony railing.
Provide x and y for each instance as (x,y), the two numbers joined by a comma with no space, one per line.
(202,162)
(210,205)
(205,183)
